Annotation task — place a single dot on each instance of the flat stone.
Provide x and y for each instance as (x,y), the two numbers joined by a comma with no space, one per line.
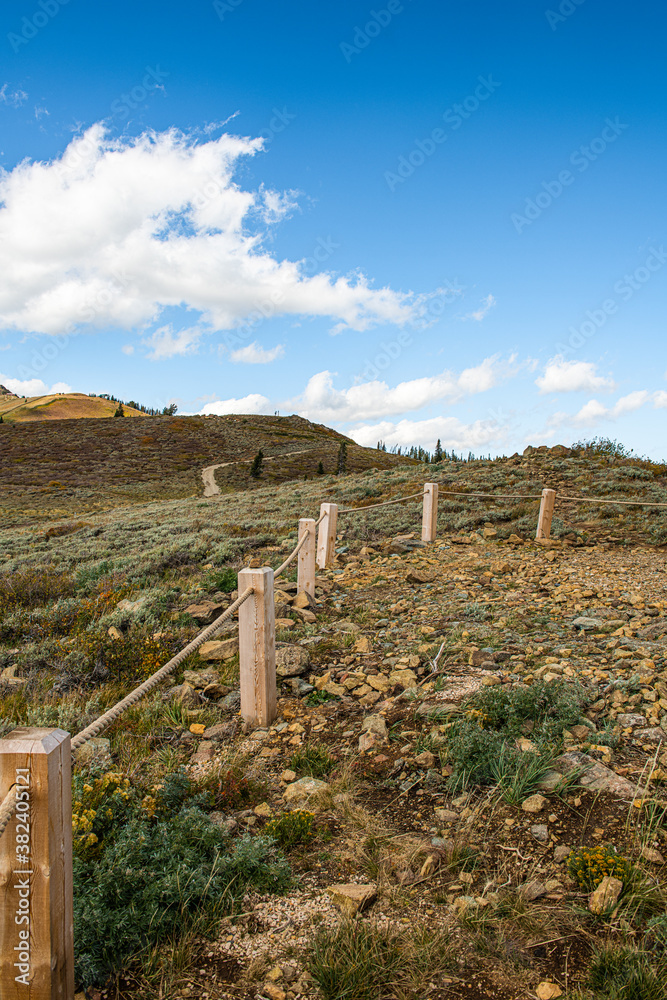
(199,679)
(548,991)
(606,895)
(446,816)
(587,624)
(363,645)
(561,852)
(596,776)
(219,649)
(300,792)
(185,694)
(205,612)
(655,857)
(214,692)
(540,831)
(376,725)
(221,731)
(131,607)
(653,735)
(379,682)
(406,678)
(532,890)
(631,720)
(303,600)
(351,898)
(534,803)
(425,759)
(420,576)
(345,626)
(288,776)
(263,810)
(291,661)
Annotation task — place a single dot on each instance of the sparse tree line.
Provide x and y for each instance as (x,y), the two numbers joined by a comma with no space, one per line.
(167,411)
(439,454)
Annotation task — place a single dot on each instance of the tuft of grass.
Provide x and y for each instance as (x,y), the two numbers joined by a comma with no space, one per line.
(312,760)
(625,973)
(359,960)
(291,828)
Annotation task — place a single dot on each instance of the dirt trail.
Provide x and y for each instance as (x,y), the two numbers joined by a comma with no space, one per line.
(211,488)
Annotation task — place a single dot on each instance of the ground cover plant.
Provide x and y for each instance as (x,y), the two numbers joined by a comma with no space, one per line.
(450,684)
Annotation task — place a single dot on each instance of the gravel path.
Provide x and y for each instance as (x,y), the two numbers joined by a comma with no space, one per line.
(211,488)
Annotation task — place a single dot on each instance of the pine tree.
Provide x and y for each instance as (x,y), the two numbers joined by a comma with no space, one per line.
(342,459)
(119,412)
(437,455)
(320,469)
(256,467)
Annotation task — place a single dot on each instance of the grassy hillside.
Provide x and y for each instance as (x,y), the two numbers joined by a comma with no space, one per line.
(184,816)
(59,406)
(56,468)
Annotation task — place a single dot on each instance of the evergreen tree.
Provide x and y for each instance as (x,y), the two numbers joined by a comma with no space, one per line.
(342,459)
(256,467)
(119,412)
(320,469)
(437,455)
(170,410)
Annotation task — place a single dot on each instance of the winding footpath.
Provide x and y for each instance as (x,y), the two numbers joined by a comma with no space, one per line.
(211,488)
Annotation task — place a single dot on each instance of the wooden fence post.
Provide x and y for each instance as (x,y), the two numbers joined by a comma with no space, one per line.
(326,539)
(430,512)
(546,513)
(257,647)
(306,557)
(36,923)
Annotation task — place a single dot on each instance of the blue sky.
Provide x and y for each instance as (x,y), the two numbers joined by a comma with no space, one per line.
(407,221)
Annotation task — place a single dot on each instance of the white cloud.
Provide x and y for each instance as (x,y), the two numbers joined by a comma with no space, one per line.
(254,355)
(321,402)
(165,343)
(660,400)
(117,230)
(452,432)
(254,403)
(487,305)
(572,376)
(32,386)
(15,97)
(127,349)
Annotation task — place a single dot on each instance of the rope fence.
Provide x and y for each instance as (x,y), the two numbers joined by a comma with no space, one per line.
(35,763)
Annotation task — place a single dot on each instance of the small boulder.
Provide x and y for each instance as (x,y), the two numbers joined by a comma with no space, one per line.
(420,576)
(534,803)
(291,661)
(548,991)
(301,792)
(376,725)
(219,649)
(406,678)
(351,898)
(205,612)
(363,645)
(606,895)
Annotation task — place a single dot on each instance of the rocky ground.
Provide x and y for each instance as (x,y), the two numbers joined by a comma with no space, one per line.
(376,680)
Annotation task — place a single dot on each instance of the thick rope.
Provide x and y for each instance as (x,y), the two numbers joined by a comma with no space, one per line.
(356,510)
(493,496)
(624,503)
(291,556)
(7,807)
(95,728)
(321,518)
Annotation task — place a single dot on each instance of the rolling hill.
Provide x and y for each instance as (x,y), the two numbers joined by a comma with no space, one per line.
(58,406)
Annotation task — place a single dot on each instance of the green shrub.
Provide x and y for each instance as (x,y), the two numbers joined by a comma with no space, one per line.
(551,707)
(225,580)
(155,879)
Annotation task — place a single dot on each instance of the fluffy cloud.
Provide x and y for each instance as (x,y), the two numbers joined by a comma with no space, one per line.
(594,412)
(116,231)
(255,355)
(453,433)
(660,400)
(487,305)
(572,376)
(167,343)
(321,402)
(32,386)
(254,403)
